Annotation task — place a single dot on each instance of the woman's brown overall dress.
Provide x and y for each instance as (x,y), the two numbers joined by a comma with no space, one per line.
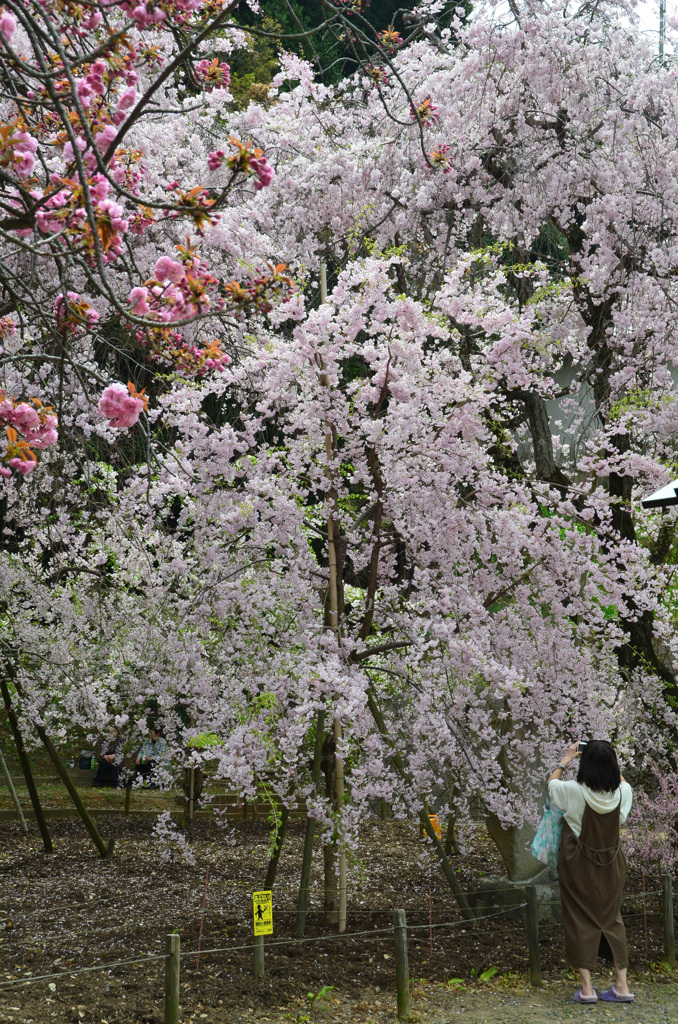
(592,872)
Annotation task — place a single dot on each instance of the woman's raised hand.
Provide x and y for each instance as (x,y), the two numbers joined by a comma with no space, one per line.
(571,752)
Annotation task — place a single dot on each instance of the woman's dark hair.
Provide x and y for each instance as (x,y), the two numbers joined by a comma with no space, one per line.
(598,767)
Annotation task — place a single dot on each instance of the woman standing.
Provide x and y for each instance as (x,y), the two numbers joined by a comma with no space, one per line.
(591,865)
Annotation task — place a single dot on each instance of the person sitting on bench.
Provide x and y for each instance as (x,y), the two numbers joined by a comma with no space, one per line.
(152,750)
(111,759)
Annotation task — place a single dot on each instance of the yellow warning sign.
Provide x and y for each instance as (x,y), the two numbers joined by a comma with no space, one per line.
(262,905)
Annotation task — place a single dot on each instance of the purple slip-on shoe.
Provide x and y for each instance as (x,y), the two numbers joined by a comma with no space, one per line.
(579,998)
(611,996)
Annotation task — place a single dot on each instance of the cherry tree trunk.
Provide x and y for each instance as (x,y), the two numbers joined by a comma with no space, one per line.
(514,846)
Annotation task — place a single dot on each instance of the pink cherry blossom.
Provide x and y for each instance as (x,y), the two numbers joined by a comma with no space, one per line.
(127,99)
(167,269)
(22,466)
(215,159)
(7,25)
(25,418)
(138,297)
(119,407)
(265,172)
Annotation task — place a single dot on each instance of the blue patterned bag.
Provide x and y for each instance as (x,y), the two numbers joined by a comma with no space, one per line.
(546,843)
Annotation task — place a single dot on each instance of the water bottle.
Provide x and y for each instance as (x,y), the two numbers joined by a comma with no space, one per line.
(92,763)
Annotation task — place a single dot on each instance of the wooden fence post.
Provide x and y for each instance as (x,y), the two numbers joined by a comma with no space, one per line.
(258,956)
(172,964)
(667,919)
(402,966)
(532,915)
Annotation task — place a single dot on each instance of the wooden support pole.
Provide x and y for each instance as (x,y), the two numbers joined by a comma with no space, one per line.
(532,915)
(105,851)
(339,781)
(191,795)
(304,882)
(667,920)
(12,793)
(128,796)
(258,956)
(172,978)
(334,626)
(302,902)
(26,768)
(272,870)
(202,919)
(448,870)
(402,966)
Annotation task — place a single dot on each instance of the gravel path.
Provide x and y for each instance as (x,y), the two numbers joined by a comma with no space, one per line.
(656,1003)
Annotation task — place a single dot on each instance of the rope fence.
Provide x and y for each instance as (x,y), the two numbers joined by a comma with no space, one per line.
(399,930)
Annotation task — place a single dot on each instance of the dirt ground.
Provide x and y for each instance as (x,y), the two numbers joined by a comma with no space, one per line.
(72,910)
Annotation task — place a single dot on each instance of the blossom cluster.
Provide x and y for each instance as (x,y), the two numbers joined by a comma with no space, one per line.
(389,39)
(213,74)
(83,186)
(121,405)
(246,160)
(37,426)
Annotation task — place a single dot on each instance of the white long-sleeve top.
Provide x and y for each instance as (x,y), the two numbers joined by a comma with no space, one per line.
(572,798)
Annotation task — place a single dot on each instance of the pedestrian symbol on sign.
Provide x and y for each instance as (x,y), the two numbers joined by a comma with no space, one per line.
(262,905)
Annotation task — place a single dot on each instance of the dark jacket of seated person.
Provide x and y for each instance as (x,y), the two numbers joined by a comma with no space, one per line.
(111,759)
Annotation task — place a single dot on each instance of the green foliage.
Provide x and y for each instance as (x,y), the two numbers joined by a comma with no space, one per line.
(204,741)
(637,399)
(324,993)
(252,70)
(330,50)
(488,974)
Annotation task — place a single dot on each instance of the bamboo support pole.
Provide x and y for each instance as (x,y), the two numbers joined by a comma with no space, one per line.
(302,903)
(105,851)
(202,919)
(26,767)
(12,793)
(334,626)
(427,827)
(272,869)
